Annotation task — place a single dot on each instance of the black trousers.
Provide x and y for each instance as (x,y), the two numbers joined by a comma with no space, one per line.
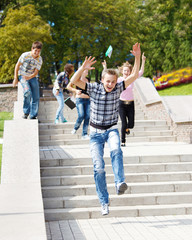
(127,115)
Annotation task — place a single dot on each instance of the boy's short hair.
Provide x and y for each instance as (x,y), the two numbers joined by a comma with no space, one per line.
(110,71)
(69,68)
(37,45)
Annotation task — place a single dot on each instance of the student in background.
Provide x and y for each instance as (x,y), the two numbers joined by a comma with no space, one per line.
(126,103)
(83,106)
(60,84)
(26,71)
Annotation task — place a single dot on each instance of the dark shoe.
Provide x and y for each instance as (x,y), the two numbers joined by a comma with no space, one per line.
(35,118)
(122,144)
(121,188)
(127,131)
(25,116)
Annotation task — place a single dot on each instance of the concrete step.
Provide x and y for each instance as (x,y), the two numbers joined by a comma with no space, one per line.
(133,188)
(66,136)
(128,168)
(138,123)
(57,160)
(115,200)
(133,131)
(128,139)
(73,117)
(129,178)
(121,211)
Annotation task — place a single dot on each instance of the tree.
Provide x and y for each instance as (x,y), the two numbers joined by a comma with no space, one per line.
(166,34)
(18,32)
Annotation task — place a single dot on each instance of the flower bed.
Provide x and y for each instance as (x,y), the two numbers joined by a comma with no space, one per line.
(175,78)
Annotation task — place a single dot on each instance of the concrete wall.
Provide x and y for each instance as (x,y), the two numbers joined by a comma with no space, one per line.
(8,95)
(176,110)
(21,208)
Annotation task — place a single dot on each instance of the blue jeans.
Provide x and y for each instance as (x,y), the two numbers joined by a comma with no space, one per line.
(83,110)
(31,96)
(97,143)
(60,99)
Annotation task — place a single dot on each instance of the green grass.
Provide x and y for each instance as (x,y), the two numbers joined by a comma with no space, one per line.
(0,157)
(4,116)
(183,89)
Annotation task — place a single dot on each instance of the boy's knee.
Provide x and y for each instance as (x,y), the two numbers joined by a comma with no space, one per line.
(27,94)
(99,171)
(116,152)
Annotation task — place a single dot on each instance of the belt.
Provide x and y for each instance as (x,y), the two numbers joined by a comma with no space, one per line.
(127,102)
(96,130)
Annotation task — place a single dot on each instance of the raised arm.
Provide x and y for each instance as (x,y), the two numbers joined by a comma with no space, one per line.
(72,89)
(135,72)
(76,78)
(141,71)
(104,63)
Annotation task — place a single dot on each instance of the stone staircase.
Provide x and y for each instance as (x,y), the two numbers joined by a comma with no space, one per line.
(52,135)
(157,169)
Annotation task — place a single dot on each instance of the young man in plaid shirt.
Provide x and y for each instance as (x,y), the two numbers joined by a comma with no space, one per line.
(104,98)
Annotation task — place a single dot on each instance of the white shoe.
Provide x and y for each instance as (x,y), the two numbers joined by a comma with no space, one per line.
(73,131)
(85,137)
(56,121)
(105,209)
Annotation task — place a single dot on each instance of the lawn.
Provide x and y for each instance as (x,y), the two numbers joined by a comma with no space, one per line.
(183,89)
(3,116)
(0,157)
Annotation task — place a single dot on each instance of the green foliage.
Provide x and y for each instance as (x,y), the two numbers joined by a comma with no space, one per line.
(21,28)
(167,34)
(88,27)
(99,24)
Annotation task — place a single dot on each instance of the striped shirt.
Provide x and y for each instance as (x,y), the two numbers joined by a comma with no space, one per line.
(104,105)
(29,64)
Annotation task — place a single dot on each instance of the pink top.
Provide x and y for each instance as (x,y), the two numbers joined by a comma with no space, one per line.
(127,94)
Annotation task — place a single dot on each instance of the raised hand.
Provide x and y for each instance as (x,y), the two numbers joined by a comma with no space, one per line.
(87,64)
(136,50)
(143,57)
(104,64)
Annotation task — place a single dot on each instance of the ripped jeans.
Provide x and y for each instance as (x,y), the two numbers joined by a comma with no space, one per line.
(31,96)
(97,143)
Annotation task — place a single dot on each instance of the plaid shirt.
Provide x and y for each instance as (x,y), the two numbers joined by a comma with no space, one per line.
(61,81)
(104,105)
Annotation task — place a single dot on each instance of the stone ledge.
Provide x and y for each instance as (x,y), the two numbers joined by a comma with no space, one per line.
(21,208)
(147,91)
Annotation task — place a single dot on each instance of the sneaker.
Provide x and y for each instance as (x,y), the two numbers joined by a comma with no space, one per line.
(122,144)
(73,131)
(85,137)
(56,121)
(35,118)
(105,209)
(64,120)
(121,188)
(25,116)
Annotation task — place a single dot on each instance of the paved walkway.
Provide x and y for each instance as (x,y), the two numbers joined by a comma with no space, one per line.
(141,228)
(130,228)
